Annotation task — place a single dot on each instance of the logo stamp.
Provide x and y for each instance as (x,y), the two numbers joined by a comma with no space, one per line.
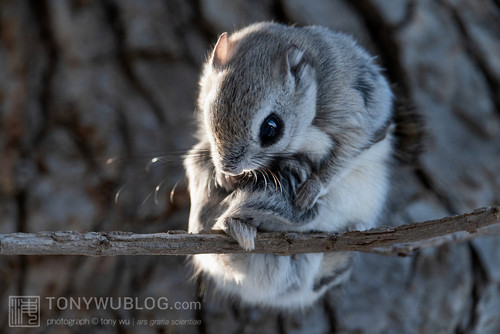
(24,311)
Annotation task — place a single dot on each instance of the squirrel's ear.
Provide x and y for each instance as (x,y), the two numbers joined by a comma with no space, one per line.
(296,61)
(221,53)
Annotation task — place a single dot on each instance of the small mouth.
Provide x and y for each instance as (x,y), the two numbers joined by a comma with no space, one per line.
(237,169)
(232,171)
(234,174)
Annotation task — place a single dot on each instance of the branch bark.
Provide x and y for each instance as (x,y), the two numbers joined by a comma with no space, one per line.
(401,240)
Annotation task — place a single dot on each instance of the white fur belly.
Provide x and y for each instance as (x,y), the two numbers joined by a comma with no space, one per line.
(356,198)
(265,279)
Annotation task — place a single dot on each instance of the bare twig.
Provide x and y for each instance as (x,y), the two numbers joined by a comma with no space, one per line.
(399,240)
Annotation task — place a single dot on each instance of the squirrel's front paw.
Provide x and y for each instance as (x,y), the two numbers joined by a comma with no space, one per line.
(307,194)
(240,230)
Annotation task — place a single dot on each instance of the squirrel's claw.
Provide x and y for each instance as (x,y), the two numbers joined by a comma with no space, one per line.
(240,230)
(307,194)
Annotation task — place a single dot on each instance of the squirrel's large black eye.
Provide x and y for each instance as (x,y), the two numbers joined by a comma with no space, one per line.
(271,130)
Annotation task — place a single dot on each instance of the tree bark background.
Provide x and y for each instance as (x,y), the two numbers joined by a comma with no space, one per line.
(82,82)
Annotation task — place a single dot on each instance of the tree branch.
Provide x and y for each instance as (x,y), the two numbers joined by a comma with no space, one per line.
(401,240)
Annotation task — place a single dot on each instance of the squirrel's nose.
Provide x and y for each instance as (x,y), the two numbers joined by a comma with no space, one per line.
(232,162)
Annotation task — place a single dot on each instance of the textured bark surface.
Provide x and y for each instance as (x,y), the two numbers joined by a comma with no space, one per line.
(401,240)
(82,82)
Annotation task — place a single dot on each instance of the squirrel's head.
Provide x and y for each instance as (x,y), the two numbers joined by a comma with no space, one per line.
(257,94)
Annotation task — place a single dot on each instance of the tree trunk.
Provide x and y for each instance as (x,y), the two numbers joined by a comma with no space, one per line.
(91,91)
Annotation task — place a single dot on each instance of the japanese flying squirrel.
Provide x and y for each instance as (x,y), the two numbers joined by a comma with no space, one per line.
(297,132)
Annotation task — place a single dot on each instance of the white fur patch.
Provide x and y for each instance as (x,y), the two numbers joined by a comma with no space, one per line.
(314,143)
(357,194)
(281,281)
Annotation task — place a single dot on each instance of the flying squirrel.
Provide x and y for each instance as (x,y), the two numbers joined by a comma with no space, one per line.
(298,132)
